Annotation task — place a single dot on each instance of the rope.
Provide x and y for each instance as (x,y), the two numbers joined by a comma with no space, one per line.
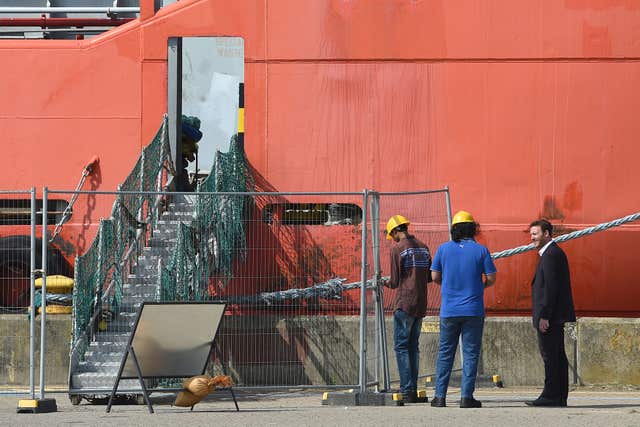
(59,299)
(333,288)
(569,236)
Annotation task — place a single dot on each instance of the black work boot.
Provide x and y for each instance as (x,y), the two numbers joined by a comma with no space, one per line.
(438,402)
(410,396)
(470,402)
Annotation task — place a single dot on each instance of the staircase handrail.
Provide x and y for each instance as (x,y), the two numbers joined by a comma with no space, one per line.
(156,157)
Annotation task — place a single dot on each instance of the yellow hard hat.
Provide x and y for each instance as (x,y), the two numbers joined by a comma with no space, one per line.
(394,222)
(462,216)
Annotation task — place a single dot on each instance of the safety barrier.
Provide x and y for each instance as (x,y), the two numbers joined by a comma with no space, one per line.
(298,264)
(17,260)
(429,213)
(295,315)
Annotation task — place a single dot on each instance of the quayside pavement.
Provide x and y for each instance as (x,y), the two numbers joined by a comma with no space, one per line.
(501,407)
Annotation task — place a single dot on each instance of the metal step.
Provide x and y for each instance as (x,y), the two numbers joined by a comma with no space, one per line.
(183,206)
(129,316)
(150,272)
(168,224)
(132,289)
(104,356)
(182,215)
(113,337)
(107,347)
(169,232)
(161,251)
(162,242)
(134,301)
(149,258)
(93,380)
(141,279)
(147,266)
(105,368)
(120,325)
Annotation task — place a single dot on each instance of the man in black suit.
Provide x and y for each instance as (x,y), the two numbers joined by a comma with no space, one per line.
(552,307)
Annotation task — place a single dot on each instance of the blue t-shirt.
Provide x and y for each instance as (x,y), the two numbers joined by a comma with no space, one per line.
(462,265)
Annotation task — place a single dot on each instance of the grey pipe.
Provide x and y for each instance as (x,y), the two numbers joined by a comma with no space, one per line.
(363,297)
(43,315)
(448,201)
(32,304)
(376,292)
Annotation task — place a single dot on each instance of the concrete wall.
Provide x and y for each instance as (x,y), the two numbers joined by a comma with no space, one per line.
(510,349)
(606,351)
(14,350)
(609,351)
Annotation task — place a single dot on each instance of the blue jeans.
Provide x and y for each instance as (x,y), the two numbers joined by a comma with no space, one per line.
(406,332)
(450,329)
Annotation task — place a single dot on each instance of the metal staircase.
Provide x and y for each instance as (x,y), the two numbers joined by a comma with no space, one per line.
(94,374)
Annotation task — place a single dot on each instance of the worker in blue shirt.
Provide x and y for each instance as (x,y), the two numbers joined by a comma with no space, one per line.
(463,268)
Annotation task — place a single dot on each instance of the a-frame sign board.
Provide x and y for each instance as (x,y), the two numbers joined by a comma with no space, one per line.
(170,340)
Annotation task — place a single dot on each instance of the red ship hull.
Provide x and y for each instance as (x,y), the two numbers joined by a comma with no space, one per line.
(524,109)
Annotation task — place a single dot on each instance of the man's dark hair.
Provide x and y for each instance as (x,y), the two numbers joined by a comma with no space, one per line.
(463,230)
(544,226)
(401,227)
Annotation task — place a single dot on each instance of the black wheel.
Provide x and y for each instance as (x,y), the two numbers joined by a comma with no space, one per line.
(15,282)
(75,399)
(15,270)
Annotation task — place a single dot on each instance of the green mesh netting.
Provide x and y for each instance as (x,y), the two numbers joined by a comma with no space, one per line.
(217,235)
(208,246)
(100,271)
(179,274)
(94,267)
(222,219)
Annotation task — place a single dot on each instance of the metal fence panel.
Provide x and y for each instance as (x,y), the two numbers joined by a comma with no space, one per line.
(290,320)
(16,253)
(289,266)
(428,213)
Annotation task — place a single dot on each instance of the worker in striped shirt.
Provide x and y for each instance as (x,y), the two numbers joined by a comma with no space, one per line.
(410,263)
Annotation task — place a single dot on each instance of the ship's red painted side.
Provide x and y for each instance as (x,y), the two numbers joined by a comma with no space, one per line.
(523,108)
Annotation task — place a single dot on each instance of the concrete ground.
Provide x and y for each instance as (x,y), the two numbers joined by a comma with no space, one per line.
(587,407)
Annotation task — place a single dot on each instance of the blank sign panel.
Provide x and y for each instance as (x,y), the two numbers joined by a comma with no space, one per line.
(173,339)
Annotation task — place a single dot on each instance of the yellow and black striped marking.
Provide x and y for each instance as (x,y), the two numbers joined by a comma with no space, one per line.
(241,113)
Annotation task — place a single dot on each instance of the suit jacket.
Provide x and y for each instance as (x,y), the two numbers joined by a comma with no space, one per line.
(551,288)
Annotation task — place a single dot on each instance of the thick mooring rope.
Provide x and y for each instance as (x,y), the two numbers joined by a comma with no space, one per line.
(569,236)
(333,288)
